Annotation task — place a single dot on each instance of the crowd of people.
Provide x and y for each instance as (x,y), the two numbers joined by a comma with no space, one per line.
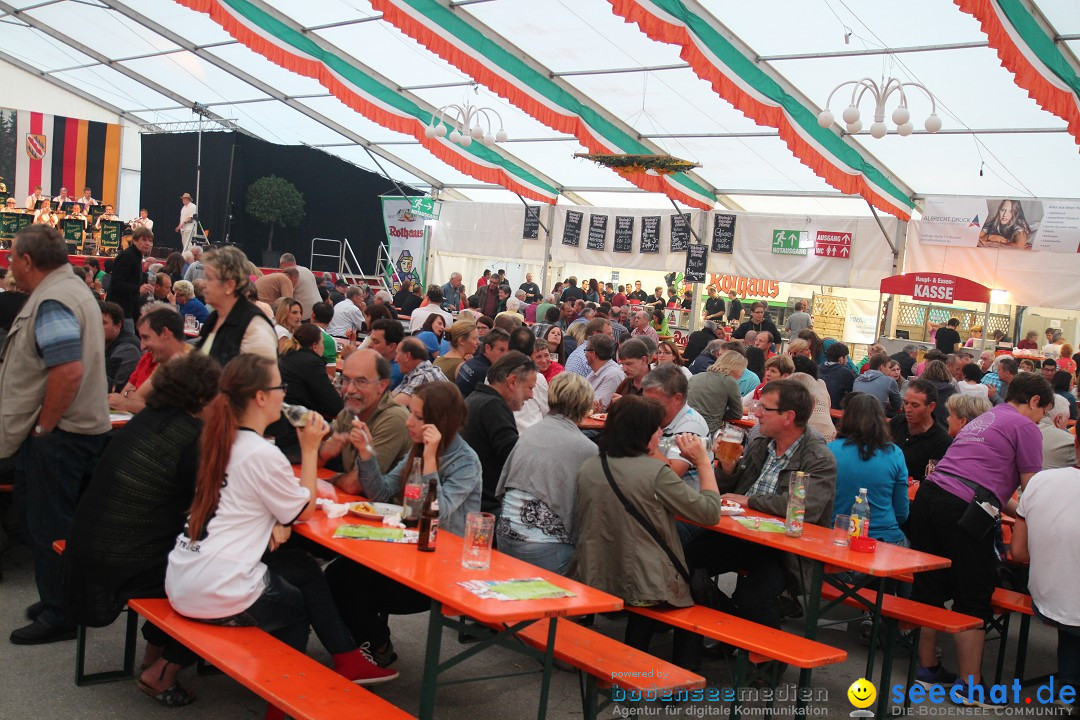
(484,393)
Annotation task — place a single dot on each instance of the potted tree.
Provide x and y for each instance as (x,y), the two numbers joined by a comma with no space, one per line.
(275,201)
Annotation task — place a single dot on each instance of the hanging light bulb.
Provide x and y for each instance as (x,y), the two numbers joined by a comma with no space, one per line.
(854,127)
(825,119)
(878,129)
(851,115)
(904,129)
(933,123)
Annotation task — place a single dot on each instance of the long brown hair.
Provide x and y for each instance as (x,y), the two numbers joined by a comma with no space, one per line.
(245,375)
(444,407)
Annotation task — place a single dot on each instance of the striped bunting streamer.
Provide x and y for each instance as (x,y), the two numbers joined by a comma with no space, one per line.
(760,96)
(368,94)
(458,40)
(1031,55)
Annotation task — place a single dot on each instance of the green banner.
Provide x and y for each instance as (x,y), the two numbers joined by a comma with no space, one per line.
(13,222)
(73,231)
(110,234)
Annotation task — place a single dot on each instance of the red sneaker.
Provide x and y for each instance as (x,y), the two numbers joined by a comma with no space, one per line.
(359,667)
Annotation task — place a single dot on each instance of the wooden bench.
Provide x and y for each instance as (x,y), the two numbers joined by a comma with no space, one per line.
(127,670)
(903,613)
(1005,603)
(759,642)
(299,685)
(606,665)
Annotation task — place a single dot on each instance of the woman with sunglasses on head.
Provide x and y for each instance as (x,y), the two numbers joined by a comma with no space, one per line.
(226,568)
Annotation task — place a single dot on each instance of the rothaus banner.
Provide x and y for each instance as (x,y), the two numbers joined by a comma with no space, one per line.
(1024,224)
(405,239)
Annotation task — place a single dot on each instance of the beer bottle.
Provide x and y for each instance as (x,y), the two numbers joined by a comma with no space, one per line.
(429,519)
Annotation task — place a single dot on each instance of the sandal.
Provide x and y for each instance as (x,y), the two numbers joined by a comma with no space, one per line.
(174,696)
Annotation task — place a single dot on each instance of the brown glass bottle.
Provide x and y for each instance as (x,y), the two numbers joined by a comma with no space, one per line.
(429,519)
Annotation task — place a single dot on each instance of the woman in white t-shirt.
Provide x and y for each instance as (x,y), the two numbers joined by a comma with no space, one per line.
(246,496)
(287,318)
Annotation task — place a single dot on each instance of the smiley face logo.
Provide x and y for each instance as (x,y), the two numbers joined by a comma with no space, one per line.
(862,693)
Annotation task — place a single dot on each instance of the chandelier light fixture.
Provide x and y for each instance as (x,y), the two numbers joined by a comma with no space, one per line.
(901,116)
(475,121)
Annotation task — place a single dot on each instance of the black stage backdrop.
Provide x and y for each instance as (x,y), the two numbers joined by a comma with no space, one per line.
(340,199)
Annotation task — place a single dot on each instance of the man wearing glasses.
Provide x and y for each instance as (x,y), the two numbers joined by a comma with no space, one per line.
(759,480)
(365,384)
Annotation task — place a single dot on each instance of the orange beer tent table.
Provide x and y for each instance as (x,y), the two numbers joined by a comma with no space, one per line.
(437,575)
(816,545)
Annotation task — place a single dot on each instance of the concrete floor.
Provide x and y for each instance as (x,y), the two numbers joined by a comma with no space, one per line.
(37,682)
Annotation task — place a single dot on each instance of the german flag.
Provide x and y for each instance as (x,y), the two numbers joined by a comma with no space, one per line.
(59,152)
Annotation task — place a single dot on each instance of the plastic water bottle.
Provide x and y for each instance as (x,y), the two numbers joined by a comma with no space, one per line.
(860,516)
(413,500)
(796,505)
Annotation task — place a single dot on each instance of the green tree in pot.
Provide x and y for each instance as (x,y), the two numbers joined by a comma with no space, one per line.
(276,201)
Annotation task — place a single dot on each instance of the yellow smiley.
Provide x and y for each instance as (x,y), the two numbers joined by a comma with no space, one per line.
(862,693)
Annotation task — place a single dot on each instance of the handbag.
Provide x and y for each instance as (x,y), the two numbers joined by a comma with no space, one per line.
(703,590)
(981,514)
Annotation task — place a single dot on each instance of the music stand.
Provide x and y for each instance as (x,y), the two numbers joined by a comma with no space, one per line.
(109,240)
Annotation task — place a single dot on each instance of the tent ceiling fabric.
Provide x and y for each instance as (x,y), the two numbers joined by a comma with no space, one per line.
(153,60)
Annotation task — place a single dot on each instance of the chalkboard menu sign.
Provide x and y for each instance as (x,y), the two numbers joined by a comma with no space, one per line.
(697,258)
(571,234)
(624,234)
(531,230)
(650,234)
(680,233)
(723,234)
(597,232)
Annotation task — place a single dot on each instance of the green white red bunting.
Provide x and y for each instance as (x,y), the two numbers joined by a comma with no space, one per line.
(366,92)
(461,41)
(761,96)
(1031,55)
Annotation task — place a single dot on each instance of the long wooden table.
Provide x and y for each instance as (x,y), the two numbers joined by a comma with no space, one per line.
(816,544)
(437,575)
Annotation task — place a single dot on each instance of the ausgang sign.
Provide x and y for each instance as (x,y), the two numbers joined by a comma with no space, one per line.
(936,288)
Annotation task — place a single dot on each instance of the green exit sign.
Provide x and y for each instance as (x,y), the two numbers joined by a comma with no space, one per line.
(426,207)
(790,242)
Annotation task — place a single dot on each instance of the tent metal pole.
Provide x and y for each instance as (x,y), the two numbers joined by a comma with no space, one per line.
(544,284)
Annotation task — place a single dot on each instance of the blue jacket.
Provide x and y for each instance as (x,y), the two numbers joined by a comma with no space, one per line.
(884,476)
(195,307)
(838,379)
(459,483)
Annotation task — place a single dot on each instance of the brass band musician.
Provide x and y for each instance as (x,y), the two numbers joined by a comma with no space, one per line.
(86,200)
(107,215)
(142,221)
(45,215)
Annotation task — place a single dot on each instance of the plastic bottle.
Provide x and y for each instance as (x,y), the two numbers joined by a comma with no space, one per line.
(860,516)
(796,505)
(413,499)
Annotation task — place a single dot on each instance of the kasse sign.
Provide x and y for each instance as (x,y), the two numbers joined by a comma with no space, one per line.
(936,287)
(933,287)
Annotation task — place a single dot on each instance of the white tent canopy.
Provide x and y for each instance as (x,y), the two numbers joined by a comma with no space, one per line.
(150,61)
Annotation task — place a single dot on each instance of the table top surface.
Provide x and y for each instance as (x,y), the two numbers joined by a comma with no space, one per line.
(437,574)
(816,543)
